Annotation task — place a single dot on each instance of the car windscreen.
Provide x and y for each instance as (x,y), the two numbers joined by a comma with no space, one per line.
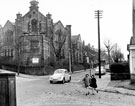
(59,71)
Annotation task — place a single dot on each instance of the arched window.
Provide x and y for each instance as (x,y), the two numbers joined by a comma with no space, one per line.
(34,24)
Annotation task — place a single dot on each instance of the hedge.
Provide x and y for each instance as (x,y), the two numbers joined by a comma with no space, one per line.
(120,71)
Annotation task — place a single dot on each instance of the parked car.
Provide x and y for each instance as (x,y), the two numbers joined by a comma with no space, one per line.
(60,75)
(103,70)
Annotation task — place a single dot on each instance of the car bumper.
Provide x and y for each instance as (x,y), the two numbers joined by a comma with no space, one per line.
(55,80)
(98,73)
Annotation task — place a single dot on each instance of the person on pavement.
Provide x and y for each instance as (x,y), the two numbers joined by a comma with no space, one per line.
(86,81)
(93,84)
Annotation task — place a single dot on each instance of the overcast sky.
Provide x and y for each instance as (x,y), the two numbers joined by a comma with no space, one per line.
(116,24)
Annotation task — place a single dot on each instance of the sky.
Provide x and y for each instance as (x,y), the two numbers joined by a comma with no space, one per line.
(115,24)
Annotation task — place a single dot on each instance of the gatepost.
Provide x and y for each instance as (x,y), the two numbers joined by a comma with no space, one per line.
(7,89)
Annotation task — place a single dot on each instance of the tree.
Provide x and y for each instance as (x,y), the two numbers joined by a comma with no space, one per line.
(116,53)
(57,45)
(18,45)
(109,48)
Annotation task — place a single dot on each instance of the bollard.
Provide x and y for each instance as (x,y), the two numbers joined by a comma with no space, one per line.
(7,89)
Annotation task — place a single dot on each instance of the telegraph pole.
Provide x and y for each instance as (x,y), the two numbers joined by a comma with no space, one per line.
(98,14)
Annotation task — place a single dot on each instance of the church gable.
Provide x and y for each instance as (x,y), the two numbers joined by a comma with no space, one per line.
(8,26)
(34,11)
(60,35)
(33,19)
(34,14)
(8,33)
(58,26)
(59,30)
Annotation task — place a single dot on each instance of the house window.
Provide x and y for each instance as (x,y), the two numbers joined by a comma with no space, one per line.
(11,52)
(33,12)
(8,52)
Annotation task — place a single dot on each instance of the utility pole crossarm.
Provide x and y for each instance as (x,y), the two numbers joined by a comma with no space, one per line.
(98,13)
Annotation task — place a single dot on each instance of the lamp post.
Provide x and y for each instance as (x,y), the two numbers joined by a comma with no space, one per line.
(98,15)
(69,46)
(70,69)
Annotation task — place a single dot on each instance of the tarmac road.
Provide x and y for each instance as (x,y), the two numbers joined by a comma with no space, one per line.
(39,92)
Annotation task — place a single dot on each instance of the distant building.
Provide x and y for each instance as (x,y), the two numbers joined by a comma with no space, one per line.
(91,53)
(81,53)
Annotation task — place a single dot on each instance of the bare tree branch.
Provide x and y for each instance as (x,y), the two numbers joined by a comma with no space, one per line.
(57,45)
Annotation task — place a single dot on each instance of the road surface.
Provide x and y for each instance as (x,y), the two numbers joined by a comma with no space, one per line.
(39,92)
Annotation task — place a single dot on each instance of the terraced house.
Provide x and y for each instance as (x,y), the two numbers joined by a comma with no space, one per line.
(34,40)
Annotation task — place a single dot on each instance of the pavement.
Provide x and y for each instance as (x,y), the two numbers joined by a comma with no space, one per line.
(121,87)
(118,86)
(104,83)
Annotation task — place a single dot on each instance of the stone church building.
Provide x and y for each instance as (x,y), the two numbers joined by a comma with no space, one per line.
(34,39)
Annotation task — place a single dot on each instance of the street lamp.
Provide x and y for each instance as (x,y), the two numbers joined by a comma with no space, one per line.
(70,69)
(69,45)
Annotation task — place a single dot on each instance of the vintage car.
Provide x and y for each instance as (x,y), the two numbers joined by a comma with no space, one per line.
(60,75)
(103,70)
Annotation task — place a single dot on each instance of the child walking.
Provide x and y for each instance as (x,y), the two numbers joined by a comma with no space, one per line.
(93,84)
(86,81)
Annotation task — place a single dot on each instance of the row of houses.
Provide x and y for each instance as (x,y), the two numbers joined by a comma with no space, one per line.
(34,40)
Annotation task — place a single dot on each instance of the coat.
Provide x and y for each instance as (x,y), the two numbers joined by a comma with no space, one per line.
(93,83)
(86,81)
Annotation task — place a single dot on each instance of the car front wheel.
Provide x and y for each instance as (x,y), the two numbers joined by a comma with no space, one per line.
(69,79)
(63,81)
